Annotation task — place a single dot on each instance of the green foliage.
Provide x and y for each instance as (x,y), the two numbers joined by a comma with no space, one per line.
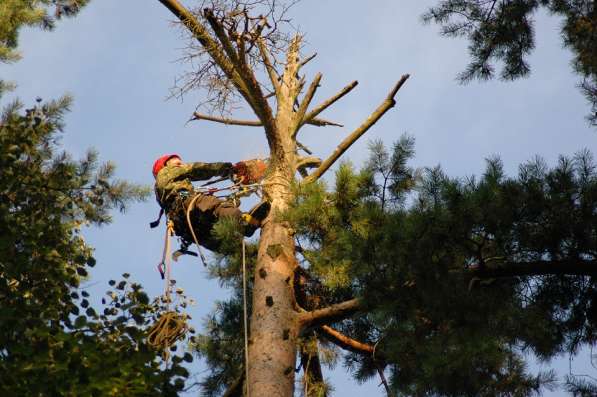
(15,14)
(441,327)
(52,339)
(221,346)
(504,31)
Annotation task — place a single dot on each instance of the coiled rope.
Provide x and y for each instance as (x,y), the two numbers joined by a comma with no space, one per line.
(171,326)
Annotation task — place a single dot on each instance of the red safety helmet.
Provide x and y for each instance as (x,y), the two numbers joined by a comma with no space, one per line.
(161,163)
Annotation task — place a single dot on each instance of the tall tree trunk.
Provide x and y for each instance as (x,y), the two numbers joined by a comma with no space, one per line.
(274,325)
(274,320)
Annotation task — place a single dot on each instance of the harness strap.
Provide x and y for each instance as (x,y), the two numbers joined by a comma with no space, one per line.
(164,265)
(190,225)
(155,223)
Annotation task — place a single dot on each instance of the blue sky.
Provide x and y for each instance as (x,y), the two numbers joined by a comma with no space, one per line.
(118,60)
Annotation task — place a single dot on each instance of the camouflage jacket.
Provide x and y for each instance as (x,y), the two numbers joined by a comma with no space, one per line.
(173,179)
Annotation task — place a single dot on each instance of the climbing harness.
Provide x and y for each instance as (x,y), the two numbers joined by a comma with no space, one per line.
(190,225)
(171,326)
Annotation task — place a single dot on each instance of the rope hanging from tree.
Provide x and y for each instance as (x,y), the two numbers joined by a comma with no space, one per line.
(171,326)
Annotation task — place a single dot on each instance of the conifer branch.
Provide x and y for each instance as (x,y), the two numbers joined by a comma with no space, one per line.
(386,105)
(323,106)
(346,342)
(537,268)
(330,314)
(236,388)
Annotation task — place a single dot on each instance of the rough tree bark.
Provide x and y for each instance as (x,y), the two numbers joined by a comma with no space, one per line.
(276,319)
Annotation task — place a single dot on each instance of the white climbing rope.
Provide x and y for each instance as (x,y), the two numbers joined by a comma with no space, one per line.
(245,319)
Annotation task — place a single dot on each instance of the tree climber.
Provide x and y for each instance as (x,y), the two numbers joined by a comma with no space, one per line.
(181,202)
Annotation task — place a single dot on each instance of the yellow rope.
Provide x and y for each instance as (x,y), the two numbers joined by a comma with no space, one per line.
(190,225)
(170,327)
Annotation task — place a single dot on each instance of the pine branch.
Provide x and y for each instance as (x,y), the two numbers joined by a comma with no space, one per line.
(537,268)
(356,134)
(236,388)
(346,342)
(323,106)
(330,314)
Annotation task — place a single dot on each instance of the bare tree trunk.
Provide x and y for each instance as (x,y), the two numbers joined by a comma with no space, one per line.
(274,321)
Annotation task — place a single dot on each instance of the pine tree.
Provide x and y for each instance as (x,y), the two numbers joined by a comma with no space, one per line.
(461,277)
(52,340)
(15,14)
(504,31)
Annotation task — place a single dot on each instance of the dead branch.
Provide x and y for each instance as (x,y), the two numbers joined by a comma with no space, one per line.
(308,162)
(203,36)
(303,147)
(300,114)
(222,120)
(255,123)
(336,312)
(259,103)
(242,77)
(306,60)
(386,105)
(323,123)
(271,71)
(323,106)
